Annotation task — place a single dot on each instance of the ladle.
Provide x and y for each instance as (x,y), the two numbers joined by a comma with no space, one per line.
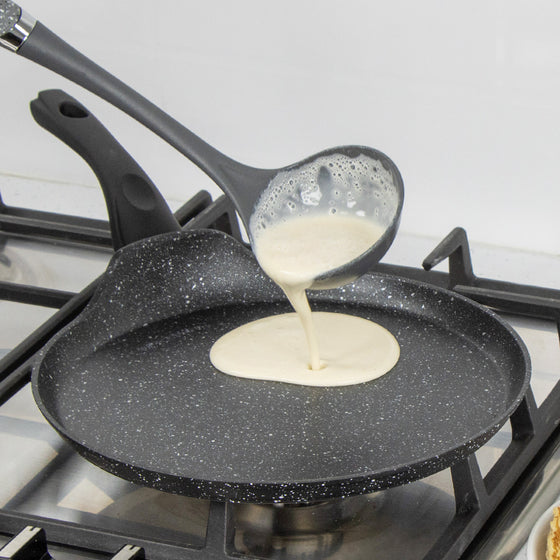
(245,185)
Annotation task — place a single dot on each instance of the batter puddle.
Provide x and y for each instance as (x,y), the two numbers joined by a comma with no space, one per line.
(321,349)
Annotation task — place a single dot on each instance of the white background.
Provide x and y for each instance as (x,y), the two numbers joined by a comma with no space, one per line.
(464,97)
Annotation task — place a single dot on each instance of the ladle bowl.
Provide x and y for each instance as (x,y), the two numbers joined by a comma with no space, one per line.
(375,177)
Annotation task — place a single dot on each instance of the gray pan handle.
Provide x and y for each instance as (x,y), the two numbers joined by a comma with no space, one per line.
(135,206)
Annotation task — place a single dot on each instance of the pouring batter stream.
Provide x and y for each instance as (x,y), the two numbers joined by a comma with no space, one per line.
(337,349)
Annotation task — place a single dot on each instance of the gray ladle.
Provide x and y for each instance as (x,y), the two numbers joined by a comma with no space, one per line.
(24,35)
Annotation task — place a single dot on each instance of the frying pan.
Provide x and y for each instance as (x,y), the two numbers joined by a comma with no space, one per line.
(130,385)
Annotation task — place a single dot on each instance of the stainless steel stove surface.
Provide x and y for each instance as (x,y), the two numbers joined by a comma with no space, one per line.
(479,509)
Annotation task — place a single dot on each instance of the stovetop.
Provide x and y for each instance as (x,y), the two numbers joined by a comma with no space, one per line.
(481,508)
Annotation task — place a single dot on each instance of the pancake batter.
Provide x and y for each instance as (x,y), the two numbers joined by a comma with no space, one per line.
(293,253)
(353,350)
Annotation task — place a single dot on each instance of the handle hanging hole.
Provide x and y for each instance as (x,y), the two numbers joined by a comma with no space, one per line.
(73,111)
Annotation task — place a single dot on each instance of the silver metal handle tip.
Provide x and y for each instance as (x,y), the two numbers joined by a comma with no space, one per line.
(10,14)
(15,25)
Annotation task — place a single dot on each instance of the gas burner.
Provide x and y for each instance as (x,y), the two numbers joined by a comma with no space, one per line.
(294,531)
(300,519)
(344,528)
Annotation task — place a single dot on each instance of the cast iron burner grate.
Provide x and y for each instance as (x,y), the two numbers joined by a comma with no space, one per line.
(477,498)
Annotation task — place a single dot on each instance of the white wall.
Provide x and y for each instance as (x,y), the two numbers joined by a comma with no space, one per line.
(464,97)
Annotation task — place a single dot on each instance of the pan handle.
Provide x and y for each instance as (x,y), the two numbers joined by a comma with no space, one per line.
(136,208)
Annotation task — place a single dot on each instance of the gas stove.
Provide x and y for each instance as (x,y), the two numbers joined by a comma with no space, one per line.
(55,502)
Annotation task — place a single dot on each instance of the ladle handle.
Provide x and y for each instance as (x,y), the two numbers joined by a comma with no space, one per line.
(47,49)
(136,208)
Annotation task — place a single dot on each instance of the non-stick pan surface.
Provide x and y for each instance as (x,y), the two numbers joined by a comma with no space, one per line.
(130,384)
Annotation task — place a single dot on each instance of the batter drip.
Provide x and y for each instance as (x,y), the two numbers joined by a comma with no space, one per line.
(337,349)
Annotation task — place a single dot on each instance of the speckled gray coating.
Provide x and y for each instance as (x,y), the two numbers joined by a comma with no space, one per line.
(130,384)
(9,15)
